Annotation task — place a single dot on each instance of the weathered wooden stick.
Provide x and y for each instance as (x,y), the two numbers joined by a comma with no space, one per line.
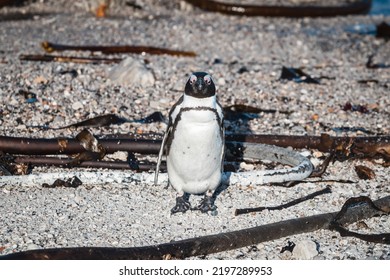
(51,47)
(62,58)
(356,7)
(67,162)
(209,244)
(283,206)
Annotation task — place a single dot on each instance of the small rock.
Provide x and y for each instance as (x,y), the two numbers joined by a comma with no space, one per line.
(132,72)
(40,80)
(318,154)
(246,166)
(305,153)
(77,105)
(221,82)
(32,246)
(305,250)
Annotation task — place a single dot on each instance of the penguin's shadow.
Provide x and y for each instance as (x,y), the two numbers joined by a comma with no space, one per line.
(237,118)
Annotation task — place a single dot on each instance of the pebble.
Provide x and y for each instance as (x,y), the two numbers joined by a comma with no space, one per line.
(77,105)
(132,72)
(32,246)
(305,250)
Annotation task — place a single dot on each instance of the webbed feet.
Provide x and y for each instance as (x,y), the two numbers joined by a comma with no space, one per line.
(206,205)
(182,204)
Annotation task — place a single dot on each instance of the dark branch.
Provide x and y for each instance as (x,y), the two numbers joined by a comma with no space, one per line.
(356,7)
(208,244)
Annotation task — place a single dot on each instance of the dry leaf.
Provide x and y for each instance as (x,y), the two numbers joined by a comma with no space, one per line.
(101,11)
(364,172)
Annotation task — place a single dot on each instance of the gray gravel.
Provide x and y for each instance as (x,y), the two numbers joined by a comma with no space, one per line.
(133,214)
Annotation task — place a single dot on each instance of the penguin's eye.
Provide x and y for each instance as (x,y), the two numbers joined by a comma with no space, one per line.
(193,79)
(207,79)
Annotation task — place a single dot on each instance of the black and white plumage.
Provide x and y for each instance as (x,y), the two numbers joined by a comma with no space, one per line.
(194,143)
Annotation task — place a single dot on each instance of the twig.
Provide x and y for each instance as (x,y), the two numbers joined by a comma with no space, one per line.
(283,206)
(66,162)
(320,170)
(209,244)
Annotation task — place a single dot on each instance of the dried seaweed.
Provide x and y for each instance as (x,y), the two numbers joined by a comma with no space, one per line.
(73,59)
(297,75)
(246,112)
(135,165)
(371,65)
(320,170)
(93,149)
(107,120)
(205,245)
(51,47)
(99,121)
(283,206)
(346,129)
(383,30)
(73,182)
(30,96)
(9,167)
(18,16)
(154,117)
(349,205)
(364,172)
(355,108)
(289,247)
(356,7)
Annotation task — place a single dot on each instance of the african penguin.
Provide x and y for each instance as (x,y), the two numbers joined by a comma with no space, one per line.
(194,144)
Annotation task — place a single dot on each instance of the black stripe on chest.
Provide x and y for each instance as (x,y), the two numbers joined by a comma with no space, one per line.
(187,109)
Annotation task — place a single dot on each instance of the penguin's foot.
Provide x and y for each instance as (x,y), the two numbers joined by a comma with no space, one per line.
(182,205)
(206,204)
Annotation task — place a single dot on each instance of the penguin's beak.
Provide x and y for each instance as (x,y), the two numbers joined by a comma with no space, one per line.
(200,85)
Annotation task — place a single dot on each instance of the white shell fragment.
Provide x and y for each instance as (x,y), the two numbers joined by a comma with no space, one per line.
(132,72)
(305,250)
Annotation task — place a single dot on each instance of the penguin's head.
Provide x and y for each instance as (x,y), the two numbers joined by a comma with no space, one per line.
(200,85)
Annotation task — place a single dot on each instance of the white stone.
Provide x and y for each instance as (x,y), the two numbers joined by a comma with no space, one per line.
(77,105)
(221,82)
(305,250)
(132,72)
(33,246)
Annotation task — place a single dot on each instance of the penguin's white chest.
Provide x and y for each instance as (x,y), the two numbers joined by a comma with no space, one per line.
(196,152)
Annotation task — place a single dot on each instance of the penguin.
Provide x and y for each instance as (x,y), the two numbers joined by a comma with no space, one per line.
(194,144)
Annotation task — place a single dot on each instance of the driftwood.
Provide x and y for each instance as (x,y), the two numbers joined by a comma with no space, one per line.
(51,47)
(283,206)
(356,7)
(62,58)
(210,244)
(69,163)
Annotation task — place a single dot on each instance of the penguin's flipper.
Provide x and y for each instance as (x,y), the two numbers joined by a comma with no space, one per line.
(160,154)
